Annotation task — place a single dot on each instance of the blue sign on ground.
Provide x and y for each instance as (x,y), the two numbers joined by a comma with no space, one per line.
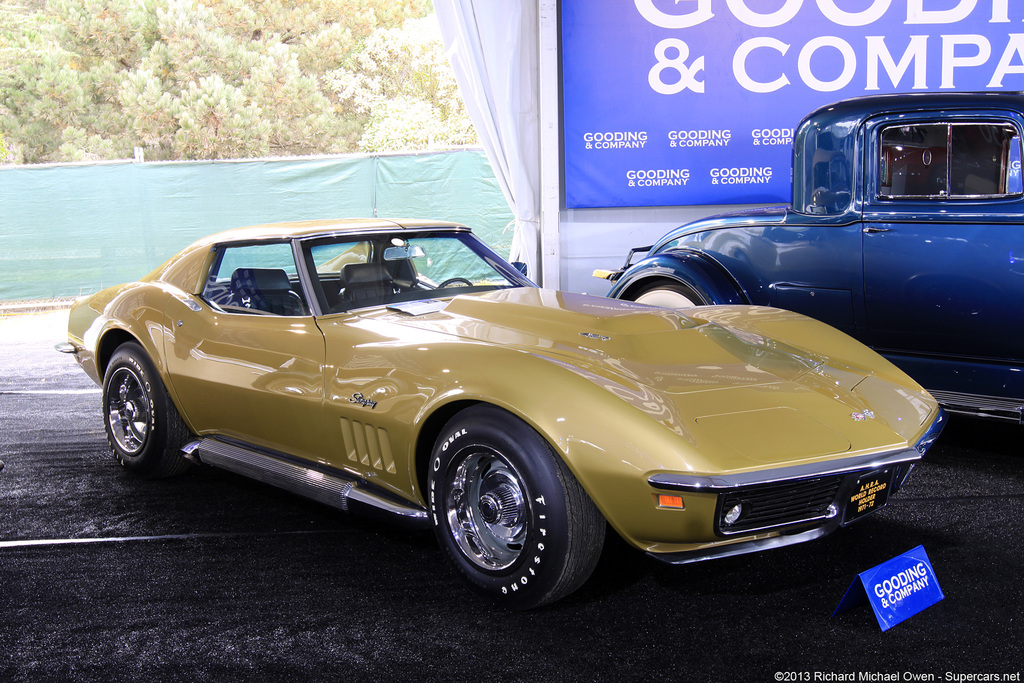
(897,589)
(676,102)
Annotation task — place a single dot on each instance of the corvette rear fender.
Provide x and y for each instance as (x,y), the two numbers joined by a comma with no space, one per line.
(692,268)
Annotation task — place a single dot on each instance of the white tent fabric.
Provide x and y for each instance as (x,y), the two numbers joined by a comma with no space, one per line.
(492,46)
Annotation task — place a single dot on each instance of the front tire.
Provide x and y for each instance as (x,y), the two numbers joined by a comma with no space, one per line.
(508,513)
(670,295)
(143,427)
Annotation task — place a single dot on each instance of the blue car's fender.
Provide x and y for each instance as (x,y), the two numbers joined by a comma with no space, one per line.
(691,269)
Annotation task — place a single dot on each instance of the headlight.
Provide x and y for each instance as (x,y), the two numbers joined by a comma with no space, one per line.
(732,515)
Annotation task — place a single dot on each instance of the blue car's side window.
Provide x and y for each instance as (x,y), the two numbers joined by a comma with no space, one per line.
(1014,182)
(963,160)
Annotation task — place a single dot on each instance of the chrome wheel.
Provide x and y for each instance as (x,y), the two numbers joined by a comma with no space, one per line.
(129,414)
(487,510)
(143,426)
(507,512)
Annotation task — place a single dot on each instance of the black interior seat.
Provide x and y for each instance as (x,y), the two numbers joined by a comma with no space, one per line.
(365,284)
(403,274)
(265,289)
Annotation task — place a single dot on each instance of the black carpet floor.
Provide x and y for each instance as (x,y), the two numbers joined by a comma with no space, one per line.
(210,577)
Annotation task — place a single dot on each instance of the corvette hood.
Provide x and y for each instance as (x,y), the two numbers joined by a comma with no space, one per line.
(741,378)
(659,348)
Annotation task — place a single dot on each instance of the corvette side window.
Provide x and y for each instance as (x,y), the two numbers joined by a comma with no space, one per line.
(392,269)
(343,270)
(257,278)
(331,258)
(950,160)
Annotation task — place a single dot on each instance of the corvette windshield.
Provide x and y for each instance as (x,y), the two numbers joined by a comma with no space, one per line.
(352,273)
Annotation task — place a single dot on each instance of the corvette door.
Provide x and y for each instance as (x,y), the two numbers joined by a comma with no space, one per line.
(370,401)
(248,364)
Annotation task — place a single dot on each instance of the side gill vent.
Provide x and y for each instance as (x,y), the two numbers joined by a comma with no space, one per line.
(367,445)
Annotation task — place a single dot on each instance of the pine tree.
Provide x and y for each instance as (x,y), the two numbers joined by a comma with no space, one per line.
(210,79)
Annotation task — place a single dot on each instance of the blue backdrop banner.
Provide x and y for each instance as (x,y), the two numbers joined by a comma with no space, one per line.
(676,102)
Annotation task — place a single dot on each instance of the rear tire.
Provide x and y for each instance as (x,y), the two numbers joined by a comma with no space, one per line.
(670,295)
(508,513)
(143,426)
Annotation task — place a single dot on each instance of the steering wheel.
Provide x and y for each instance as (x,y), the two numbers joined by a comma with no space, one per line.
(453,280)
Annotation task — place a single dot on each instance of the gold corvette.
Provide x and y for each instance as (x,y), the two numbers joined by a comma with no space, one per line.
(404,368)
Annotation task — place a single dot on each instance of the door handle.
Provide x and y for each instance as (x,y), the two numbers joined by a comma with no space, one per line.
(873,230)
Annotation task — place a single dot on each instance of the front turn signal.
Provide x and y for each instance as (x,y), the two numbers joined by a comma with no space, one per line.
(668,501)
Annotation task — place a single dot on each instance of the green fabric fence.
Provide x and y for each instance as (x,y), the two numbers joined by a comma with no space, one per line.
(72,229)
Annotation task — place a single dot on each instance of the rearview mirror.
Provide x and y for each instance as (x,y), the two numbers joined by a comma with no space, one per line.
(404,253)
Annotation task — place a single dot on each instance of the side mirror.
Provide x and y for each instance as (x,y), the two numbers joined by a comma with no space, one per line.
(521,267)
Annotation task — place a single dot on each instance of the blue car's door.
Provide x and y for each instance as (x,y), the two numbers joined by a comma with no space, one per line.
(943,238)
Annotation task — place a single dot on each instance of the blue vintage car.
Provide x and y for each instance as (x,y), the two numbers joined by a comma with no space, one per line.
(906,230)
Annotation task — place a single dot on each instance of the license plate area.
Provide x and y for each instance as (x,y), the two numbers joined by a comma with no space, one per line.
(869,493)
